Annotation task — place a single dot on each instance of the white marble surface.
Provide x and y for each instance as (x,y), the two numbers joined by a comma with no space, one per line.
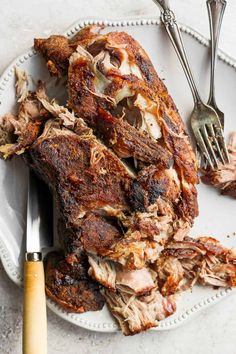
(213,331)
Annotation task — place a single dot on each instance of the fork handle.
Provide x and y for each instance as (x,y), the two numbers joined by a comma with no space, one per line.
(216,9)
(34,313)
(172,28)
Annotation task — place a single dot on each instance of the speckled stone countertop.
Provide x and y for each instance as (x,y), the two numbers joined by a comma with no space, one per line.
(213,331)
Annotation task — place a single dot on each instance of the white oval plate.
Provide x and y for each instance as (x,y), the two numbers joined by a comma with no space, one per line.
(217,213)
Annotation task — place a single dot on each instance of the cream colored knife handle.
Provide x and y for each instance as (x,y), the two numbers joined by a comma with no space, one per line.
(34,314)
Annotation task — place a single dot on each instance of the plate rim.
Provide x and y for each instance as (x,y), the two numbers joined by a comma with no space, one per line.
(14,272)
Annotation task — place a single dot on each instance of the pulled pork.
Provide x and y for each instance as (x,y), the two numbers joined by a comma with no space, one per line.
(203,260)
(139,313)
(120,165)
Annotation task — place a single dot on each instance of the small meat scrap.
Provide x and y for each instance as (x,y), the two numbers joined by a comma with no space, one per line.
(203,260)
(224,178)
(17,133)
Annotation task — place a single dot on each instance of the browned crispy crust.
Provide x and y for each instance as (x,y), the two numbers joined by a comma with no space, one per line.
(138,55)
(151,184)
(79,186)
(81,81)
(69,286)
(99,234)
(57,48)
(188,205)
(83,188)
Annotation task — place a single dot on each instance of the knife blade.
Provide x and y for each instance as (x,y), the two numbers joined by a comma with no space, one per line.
(39,234)
(39,229)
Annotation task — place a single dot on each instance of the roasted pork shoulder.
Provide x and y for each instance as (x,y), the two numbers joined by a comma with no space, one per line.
(121,167)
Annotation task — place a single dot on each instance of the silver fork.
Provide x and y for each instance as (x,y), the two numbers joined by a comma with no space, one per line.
(204,120)
(216,9)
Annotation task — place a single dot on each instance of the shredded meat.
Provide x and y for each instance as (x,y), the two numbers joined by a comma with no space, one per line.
(203,260)
(103,271)
(19,132)
(136,314)
(114,276)
(127,141)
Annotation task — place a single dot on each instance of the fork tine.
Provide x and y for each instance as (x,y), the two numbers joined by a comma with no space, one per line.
(200,158)
(202,147)
(209,144)
(224,148)
(221,140)
(212,133)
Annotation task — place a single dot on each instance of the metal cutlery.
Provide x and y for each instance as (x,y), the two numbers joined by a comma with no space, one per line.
(216,9)
(39,234)
(204,120)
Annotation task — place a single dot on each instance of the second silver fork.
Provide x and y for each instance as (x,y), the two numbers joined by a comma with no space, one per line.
(216,9)
(205,122)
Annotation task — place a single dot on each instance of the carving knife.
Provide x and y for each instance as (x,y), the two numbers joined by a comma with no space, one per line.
(39,234)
